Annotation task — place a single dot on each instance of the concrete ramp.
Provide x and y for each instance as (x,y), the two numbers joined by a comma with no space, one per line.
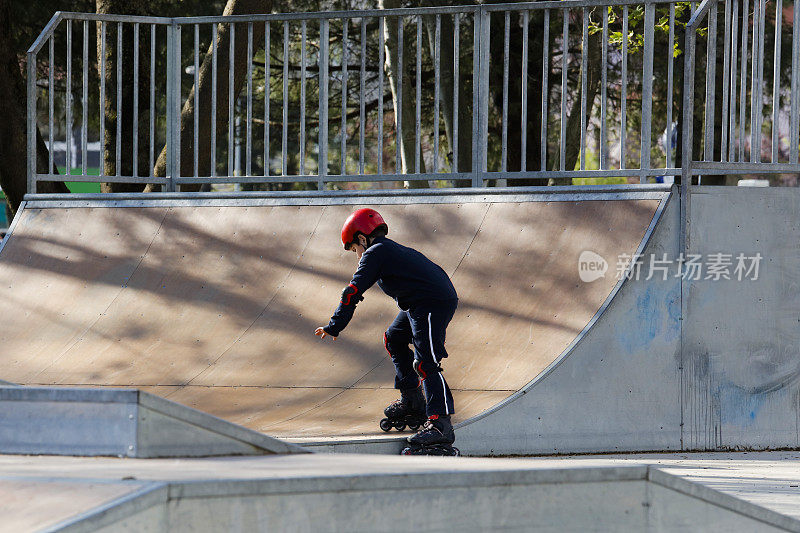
(212,302)
(125,423)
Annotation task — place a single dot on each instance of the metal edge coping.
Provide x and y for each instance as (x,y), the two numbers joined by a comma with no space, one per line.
(16,393)
(217,425)
(13,225)
(452,195)
(657,216)
(695,489)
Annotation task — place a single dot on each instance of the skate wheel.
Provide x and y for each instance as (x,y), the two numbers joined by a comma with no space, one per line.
(406,451)
(386,425)
(401,427)
(456,452)
(413,427)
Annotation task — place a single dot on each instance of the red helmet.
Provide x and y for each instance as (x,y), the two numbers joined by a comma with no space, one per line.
(363,221)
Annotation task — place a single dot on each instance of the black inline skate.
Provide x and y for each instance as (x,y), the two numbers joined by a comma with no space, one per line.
(409,411)
(435,438)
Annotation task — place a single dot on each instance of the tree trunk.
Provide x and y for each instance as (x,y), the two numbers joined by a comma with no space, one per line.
(13,127)
(446,93)
(407,115)
(112,113)
(233,7)
(572,144)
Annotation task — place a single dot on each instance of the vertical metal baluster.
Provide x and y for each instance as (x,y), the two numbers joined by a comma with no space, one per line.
(484,94)
(604,94)
(231,101)
(343,132)
(102,61)
(476,39)
(743,81)
(249,129)
(118,167)
(776,78)
(284,137)
(170,113)
(623,105)
(214,74)
(647,88)
(760,93)
(418,107)
(732,81)
(711,78)
(51,104)
(437,68)
(152,98)
(361,103)
(303,37)
(456,86)
(31,113)
(795,95)
(723,152)
(524,94)
(398,119)
(381,66)
(68,144)
(584,80)
(564,53)
(755,136)
(504,138)
(545,87)
(135,99)
(670,77)
(196,113)
(324,54)
(266,97)
(85,97)
(176,117)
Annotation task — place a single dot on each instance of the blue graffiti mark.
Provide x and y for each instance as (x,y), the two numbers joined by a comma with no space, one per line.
(655,317)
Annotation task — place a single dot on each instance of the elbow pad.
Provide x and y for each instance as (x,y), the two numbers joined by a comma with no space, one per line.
(350,295)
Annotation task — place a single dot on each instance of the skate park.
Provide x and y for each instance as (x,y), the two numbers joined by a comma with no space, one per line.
(160,369)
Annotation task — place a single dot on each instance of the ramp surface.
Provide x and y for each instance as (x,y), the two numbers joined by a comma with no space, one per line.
(213,303)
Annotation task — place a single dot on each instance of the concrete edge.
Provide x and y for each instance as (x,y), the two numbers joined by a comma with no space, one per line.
(217,425)
(152,494)
(13,224)
(657,216)
(720,499)
(7,384)
(163,492)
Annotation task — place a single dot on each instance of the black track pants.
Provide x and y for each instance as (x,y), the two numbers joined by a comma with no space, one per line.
(425,327)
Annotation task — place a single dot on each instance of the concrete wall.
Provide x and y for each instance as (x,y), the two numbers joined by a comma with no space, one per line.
(741,357)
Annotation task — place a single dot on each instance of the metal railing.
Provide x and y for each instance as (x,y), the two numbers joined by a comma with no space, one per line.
(464,94)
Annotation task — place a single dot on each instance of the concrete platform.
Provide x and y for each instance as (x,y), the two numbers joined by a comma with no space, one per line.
(324,492)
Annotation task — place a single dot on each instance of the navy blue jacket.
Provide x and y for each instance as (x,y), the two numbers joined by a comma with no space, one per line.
(402,272)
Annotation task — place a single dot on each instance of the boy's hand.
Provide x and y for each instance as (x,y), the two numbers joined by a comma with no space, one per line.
(320,332)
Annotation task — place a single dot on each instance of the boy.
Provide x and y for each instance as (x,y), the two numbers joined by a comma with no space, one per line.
(427,300)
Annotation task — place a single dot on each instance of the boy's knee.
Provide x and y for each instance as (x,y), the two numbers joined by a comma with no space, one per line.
(393,341)
(426,368)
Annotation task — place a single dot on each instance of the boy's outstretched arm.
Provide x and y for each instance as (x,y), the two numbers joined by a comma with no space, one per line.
(364,278)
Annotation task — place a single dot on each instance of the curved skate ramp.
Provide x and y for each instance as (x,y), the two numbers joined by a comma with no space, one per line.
(212,302)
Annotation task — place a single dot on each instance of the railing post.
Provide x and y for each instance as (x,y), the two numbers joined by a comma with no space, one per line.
(32,123)
(324,54)
(173,100)
(687,133)
(483,97)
